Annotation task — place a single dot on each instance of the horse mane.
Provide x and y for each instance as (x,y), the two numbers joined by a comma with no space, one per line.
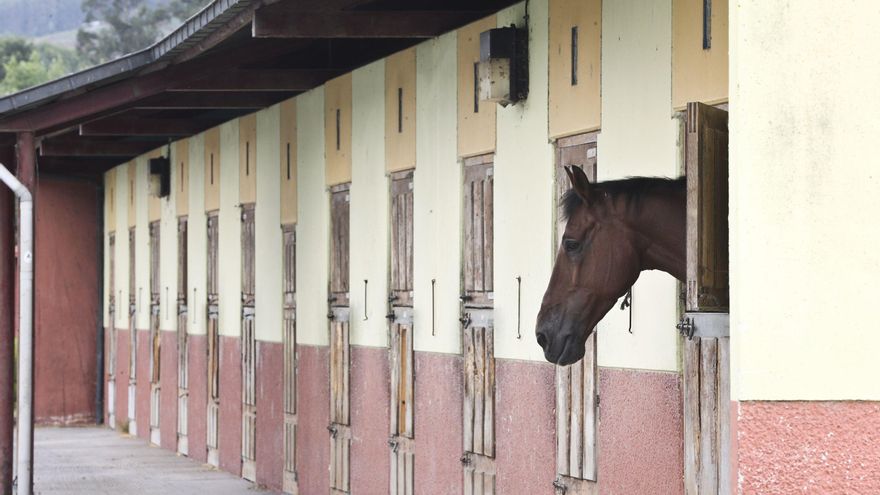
(634,188)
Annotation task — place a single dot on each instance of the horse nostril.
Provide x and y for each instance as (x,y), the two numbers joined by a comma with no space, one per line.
(542,340)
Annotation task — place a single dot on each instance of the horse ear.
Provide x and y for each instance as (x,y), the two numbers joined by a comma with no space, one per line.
(579,182)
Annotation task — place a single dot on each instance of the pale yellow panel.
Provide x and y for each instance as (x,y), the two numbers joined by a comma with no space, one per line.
(132,193)
(287,163)
(110,200)
(575,101)
(400,111)
(476,129)
(180,180)
(154,203)
(247,162)
(212,169)
(698,74)
(337,132)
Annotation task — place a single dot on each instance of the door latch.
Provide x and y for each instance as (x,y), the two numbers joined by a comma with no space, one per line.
(465,320)
(686,327)
(394,444)
(466,459)
(333,430)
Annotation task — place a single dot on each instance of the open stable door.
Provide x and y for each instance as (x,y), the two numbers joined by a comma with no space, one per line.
(155,336)
(340,351)
(706,326)
(401,335)
(576,385)
(132,335)
(248,347)
(182,340)
(288,287)
(478,330)
(111,334)
(213,337)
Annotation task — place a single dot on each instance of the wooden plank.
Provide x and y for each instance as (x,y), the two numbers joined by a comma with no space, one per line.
(709,415)
(408,253)
(563,384)
(488,483)
(488,229)
(691,411)
(479,242)
(468,413)
(334,462)
(468,480)
(346,349)
(392,478)
(489,392)
(395,379)
(410,469)
(590,425)
(409,377)
(402,393)
(468,237)
(479,387)
(724,474)
(346,455)
(577,414)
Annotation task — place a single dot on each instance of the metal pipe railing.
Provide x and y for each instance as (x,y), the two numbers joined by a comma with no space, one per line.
(25,477)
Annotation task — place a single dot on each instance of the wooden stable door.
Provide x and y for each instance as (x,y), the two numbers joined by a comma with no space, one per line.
(111,334)
(576,385)
(288,287)
(340,357)
(155,336)
(478,328)
(401,335)
(132,335)
(213,336)
(182,339)
(248,347)
(706,352)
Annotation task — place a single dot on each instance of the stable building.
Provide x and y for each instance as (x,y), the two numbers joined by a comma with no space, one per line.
(303,242)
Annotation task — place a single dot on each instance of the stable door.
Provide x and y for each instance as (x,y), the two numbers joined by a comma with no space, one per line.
(340,352)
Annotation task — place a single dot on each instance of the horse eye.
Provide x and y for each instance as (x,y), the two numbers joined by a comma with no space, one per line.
(570,245)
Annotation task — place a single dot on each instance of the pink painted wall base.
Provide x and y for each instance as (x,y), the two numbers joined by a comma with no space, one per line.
(270,414)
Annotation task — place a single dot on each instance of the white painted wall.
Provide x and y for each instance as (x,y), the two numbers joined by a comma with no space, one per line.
(267,224)
(369,208)
(109,225)
(437,198)
(121,260)
(168,253)
(229,276)
(312,230)
(197,239)
(638,138)
(523,197)
(804,200)
(142,244)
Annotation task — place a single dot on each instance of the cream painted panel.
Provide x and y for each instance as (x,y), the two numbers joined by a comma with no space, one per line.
(369,208)
(168,253)
(437,198)
(804,202)
(109,226)
(523,198)
(312,230)
(476,130)
(400,106)
(698,74)
(121,220)
(337,151)
(142,243)
(638,138)
(197,239)
(287,160)
(247,148)
(180,176)
(267,225)
(229,255)
(131,187)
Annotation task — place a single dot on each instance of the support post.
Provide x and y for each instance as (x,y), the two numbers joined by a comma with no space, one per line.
(7,330)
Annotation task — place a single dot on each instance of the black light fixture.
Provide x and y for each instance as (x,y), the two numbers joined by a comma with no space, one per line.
(160,176)
(504,65)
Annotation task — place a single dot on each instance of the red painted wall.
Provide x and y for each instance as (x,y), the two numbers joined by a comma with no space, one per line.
(230,405)
(197,405)
(168,391)
(270,414)
(313,416)
(67,302)
(142,389)
(370,416)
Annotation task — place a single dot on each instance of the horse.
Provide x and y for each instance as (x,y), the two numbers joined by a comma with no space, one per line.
(614,230)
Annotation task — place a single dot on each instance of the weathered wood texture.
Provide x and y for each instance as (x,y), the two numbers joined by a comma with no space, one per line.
(479,389)
(132,308)
(288,284)
(576,385)
(478,231)
(707,415)
(154,303)
(340,199)
(401,380)
(111,310)
(248,339)
(708,286)
(213,338)
(402,238)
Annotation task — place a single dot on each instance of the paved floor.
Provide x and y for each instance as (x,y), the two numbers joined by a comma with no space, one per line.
(100,461)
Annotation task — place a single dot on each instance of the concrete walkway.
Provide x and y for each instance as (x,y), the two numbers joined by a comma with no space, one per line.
(100,461)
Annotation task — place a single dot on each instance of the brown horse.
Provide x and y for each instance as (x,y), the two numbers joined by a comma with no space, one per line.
(614,230)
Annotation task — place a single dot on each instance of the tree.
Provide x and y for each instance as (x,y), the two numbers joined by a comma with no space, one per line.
(114,28)
(24,64)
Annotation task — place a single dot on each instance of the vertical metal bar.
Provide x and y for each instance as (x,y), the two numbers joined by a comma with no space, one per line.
(7,337)
(574,55)
(366,317)
(399,110)
(476,88)
(288,161)
(518,307)
(433,323)
(337,129)
(707,24)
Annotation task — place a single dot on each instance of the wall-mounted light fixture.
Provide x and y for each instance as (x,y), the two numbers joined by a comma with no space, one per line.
(504,65)
(160,176)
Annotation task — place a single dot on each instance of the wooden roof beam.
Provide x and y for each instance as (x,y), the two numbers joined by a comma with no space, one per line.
(284,21)
(83,147)
(132,126)
(208,100)
(259,80)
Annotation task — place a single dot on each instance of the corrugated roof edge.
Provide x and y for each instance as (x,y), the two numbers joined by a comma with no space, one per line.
(203,22)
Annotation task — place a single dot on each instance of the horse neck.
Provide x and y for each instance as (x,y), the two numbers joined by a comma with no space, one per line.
(661,224)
